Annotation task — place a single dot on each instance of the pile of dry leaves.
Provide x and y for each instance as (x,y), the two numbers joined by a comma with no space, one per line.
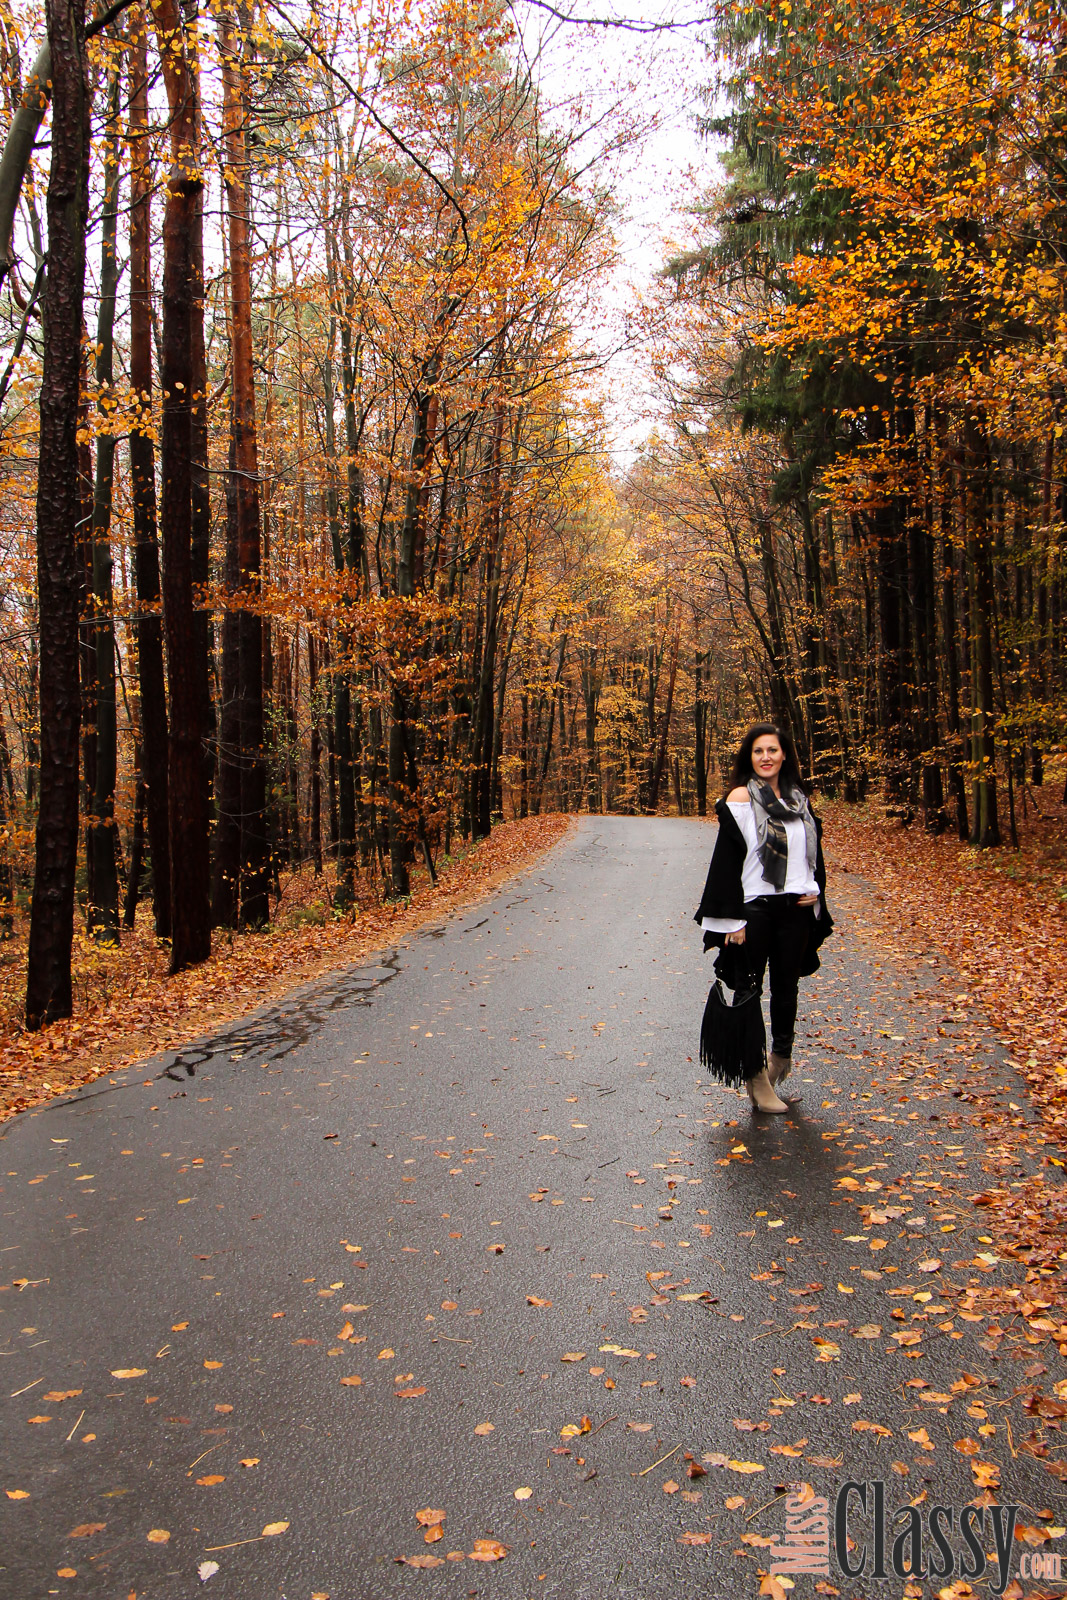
(127,1008)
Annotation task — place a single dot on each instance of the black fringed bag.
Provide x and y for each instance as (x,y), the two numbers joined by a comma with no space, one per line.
(733,1040)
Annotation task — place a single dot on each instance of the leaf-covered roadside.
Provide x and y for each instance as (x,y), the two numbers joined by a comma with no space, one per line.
(128,1008)
(998,920)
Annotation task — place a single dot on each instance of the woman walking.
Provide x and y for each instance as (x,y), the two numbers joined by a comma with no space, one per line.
(763,907)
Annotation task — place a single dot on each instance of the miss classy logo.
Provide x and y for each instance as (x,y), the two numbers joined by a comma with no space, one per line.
(869,1541)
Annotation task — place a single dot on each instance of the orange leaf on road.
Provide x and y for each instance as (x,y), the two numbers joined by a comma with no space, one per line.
(488,1550)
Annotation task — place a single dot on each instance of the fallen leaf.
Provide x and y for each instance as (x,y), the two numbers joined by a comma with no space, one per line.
(744,1466)
(426,1560)
(22,1494)
(411,1393)
(695,1538)
(157,1536)
(1032,1536)
(129,1372)
(432,1535)
(212,1477)
(249,1461)
(206,1570)
(38,1419)
(670,1487)
(488,1550)
(386,1354)
(484,1427)
(921,1437)
(986,1474)
(734,1502)
(773,1588)
(535,1300)
(573,1355)
(640,1427)
(523,1494)
(59,1395)
(429,1517)
(353,1382)
(66,1572)
(869,1330)
(967,1447)
(212,1366)
(933,1265)
(85,1530)
(274,1527)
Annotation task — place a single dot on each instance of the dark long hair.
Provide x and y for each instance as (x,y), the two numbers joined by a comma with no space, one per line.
(789,777)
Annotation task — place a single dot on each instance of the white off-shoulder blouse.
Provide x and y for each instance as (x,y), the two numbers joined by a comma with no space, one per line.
(799,878)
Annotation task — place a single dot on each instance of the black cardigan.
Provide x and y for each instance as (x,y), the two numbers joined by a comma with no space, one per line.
(724,896)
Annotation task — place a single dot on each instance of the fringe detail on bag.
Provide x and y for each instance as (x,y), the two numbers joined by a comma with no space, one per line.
(733,1040)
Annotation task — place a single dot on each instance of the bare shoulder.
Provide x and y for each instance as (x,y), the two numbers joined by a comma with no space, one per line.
(737,797)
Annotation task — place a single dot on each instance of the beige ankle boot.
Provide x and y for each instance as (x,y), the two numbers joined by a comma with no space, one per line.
(778,1067)
(762,1095)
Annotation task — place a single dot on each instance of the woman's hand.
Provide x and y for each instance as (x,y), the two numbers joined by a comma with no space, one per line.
(807,899)
(736,938)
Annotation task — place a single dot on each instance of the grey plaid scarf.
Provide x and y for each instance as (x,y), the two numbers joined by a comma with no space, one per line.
(771,815)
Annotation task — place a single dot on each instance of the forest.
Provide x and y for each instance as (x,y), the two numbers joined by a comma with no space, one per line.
(316,557)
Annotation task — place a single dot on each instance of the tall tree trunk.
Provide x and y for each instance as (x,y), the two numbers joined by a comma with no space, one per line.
(315,759)
(546,754)
(661,758)
(985,824)
(482,806)
(700,729)
(200,484)
(48,976)
(226,857)
(150,668)
(133,881)
(87,630)
(190,863)
(342,771)
(402,771)
(255,845)
(7,814)
(102,916)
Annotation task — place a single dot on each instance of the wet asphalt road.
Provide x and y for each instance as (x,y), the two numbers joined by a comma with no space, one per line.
(371,1181)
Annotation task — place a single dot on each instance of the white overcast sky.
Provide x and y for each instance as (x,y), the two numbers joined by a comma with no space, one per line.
(654,79)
